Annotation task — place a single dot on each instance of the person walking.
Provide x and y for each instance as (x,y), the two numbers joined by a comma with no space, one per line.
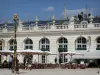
(24,62)
(56,60)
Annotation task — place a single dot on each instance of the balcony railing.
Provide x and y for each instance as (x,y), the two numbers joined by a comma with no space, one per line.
(62,49)
(81,48)
(61,26)
(57,27)
(44,49)
(80,26)
(97,48)
(96,25)
(11,49)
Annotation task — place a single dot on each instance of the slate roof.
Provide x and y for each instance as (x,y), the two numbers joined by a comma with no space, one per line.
(57,22)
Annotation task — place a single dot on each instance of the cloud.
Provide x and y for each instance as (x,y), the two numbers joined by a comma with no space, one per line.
(95,11)
(50,8)
(76,11)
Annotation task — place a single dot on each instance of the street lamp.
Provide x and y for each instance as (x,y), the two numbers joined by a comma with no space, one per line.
(15,65)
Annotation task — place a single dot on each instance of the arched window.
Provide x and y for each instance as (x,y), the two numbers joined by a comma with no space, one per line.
(44,44)
(11,44)
(1,44)
(81,43)
(28,44)
(84,24)
(62,42)
(98,43)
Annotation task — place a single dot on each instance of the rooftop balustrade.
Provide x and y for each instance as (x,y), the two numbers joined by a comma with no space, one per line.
(55,27)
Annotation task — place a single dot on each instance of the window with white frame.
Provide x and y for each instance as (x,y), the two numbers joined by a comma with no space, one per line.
(44,44)
(81,43)
(84,24)
(28,44)
(43,58)
(1,44)
(62,43)
(11,44)
(98,43)
(1,47)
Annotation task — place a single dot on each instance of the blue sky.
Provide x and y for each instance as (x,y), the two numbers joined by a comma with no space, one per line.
(44,9)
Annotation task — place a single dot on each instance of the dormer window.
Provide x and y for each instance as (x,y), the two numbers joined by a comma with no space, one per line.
(84,24)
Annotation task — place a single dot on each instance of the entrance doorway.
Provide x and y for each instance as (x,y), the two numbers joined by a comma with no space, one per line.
(62,58)
(98,62)
(43,58)
(28,58)
(0,58)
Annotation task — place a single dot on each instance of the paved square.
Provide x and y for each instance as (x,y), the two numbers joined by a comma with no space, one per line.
(88,71)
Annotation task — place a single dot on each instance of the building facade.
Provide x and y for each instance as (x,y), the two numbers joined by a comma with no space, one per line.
(55,37)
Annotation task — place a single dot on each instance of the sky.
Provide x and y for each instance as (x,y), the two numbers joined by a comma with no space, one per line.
(45,9)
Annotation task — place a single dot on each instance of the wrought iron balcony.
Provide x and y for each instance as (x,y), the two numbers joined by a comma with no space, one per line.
(97,48)
(81,48)
(44,49)
(62,49)
(11,49)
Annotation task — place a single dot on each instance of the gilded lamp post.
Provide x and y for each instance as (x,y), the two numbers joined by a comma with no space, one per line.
(15,19)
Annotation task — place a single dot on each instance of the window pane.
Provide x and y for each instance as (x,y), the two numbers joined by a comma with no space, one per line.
(46,41)
(79,46)
(11,48)
(43,46)
(30,47)
(43,41)
(0,47)
(43,58)
(26,47)
(0,42)
(65,46)
(31,42)
(65,41)
(47,46)
(60,46)
(79,41)
(26,42)
(98,40)
(83,40)
(60,41)
(98,46)
(84,46)
(11,42)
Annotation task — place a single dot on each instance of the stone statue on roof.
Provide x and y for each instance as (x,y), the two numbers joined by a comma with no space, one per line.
(37,20)
(53,19)
(20,23)
(91,18)
(72,19)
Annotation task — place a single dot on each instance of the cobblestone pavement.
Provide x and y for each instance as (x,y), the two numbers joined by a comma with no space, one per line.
(88,71)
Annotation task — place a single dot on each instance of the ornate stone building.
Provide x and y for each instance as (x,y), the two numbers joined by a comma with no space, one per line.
(70,35)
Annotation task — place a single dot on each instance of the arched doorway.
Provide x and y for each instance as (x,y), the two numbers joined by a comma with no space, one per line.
(1,47)
(28,44)
(44,45)
(98,48)
(62,47)
(28,58)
